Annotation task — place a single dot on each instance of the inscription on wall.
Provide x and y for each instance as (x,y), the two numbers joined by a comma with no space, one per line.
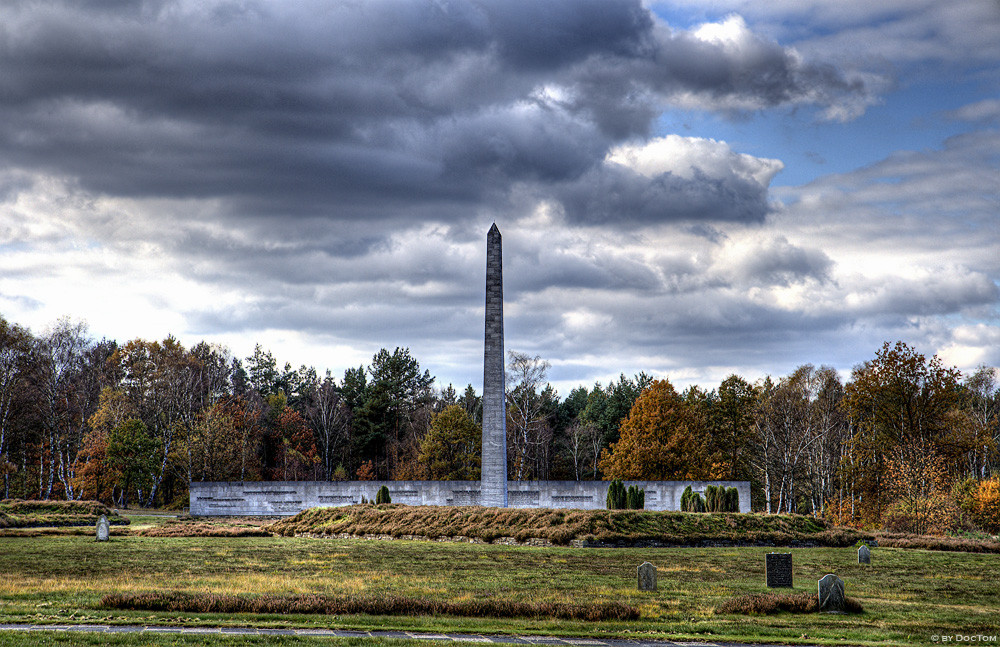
(515,497)
(464,497)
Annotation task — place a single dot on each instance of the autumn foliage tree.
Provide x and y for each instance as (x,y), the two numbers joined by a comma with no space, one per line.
(296,457)
(452,448)
(899,398)
(94,478)
(661,439)
(732,420)
(917,486)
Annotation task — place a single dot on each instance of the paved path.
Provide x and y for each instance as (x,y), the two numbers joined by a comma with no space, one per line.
(343,633)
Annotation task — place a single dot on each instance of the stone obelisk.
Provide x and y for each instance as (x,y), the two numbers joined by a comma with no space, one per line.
(493,491)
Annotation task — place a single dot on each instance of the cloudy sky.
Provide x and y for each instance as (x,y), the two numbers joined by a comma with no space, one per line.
(689,188)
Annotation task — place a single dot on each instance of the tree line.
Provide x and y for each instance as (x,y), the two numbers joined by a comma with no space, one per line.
(132,424)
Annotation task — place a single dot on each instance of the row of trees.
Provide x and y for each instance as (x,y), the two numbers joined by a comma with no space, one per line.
(906,441)
(134,423)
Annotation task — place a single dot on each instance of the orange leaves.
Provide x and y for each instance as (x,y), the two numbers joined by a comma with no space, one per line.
(986,504)
(662,439)
(366,471)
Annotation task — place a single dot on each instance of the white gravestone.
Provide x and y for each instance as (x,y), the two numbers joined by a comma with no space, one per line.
(103,529)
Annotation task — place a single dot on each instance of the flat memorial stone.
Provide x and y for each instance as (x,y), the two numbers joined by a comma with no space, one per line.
(831,594)
(103,529)
(647,577)
(864,555)
(778,570)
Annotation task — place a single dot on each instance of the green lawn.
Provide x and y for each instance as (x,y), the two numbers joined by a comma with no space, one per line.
(908,595)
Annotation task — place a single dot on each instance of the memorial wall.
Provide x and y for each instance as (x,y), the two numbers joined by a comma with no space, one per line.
(283,498)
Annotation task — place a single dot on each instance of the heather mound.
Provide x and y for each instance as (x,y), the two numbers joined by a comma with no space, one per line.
(927,542)
(189,527)
(771,603)
(17,513)
(367,604)
(561,527)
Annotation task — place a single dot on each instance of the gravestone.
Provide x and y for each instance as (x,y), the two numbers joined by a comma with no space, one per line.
(864,555)
(778,570)
(103,529)
(647,577)
(831,594)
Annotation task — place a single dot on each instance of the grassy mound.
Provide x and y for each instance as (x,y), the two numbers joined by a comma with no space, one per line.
(771,603)
(560,527)
(17,513)
(367,604)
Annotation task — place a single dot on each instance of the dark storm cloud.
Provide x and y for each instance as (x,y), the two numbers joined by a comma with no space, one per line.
(616,194)
(379,110)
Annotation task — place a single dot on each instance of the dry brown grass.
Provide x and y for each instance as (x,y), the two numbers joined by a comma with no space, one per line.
(771,603)
(365,604)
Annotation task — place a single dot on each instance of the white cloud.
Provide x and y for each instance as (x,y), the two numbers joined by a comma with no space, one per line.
(985,111)
(685,156)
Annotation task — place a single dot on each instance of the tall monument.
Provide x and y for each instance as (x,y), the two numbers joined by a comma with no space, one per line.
(493,490)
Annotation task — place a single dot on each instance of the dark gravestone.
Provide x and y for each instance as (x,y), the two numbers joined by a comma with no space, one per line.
(778,570)
(103,529)
(647,577)
(864,555)
(831,594)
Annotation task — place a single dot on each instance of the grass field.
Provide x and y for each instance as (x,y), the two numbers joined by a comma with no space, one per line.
(908,595)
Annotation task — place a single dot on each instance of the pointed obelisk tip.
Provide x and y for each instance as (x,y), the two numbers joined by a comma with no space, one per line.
(494,229)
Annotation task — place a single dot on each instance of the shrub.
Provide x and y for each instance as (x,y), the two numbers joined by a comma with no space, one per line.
(713,502)
(617,496)
(932,514)
(732,500)
(986,504)
(691,501)
(382,496)
(636,498)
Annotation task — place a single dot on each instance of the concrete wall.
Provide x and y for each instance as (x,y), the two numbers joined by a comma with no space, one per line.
(281,498)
